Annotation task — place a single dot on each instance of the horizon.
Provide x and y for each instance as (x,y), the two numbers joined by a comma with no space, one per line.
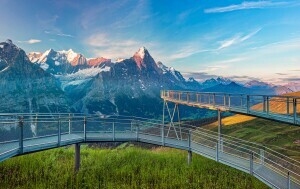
(239,40)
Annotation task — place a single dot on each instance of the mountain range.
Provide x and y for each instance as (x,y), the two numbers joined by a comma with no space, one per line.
(56,81)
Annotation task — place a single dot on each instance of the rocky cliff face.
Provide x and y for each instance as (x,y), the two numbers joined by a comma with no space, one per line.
(26,87)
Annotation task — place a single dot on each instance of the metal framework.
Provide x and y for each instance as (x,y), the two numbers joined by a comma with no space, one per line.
(56,130)
(264,106)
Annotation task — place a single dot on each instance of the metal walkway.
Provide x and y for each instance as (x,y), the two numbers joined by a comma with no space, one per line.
(279,108)
(27,133)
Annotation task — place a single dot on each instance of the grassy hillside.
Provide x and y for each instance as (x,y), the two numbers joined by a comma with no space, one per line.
(130,167)
(279,136)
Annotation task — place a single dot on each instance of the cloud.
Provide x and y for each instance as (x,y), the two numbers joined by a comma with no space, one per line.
(237,39)
(246,5)
(31,41)
(199,76)
(58,34)
(111,47)
(281,74)
(186,52)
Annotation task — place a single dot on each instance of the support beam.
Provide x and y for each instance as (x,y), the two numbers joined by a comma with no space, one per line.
(77,157)
(21,127)
(189,157)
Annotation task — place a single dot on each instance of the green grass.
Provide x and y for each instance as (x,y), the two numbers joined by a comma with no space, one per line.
(123,167)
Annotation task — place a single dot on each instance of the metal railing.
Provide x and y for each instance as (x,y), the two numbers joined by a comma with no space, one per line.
(280,108)
(26,133)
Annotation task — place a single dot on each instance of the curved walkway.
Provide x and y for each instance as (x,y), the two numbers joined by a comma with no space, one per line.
(52,131)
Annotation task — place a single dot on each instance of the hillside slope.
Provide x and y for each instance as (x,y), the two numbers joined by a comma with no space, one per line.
(281,137)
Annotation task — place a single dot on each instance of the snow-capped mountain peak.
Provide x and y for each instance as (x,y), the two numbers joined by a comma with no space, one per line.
(70,54)
(142,51)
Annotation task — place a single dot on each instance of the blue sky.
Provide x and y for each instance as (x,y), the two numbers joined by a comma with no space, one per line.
(241,40)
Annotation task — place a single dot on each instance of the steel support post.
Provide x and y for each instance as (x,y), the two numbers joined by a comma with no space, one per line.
(214,99)
(224,99)
(189,157)
(21,137)
(229,101)
(197,98)
(251,163)
(77,157)
(187,97)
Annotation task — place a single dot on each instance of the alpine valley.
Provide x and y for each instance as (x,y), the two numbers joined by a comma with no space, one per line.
(61,81)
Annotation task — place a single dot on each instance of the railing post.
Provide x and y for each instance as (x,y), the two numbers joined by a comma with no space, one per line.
(137,132)
(189,140)
(217,151)
(262,156)
(84,127)
(58,131)
(70,126)
(251,163)
(248,104)
(36,124)
(295,110)
(197,97)
(288,106)
(219,127)
(241,101)
(229,101)
(264,103)
(187,97)
(288,180)
(21,137)
(114,131)
(214,99)
(268,105)
(224,99)
(163,135)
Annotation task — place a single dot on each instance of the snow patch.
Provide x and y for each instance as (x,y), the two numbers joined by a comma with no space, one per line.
(56,63)
(4,69)
(44,66)
(1,46)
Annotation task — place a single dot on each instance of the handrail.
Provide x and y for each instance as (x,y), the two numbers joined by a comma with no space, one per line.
(138,128)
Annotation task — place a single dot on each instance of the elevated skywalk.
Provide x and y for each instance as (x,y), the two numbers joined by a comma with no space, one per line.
(264,106)
(52,131)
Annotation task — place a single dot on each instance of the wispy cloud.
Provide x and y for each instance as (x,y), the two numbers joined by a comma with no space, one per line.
(199,76)
(247,5)
(31,41)
(185,52)
(111,47)
(237,39)
(59,34)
